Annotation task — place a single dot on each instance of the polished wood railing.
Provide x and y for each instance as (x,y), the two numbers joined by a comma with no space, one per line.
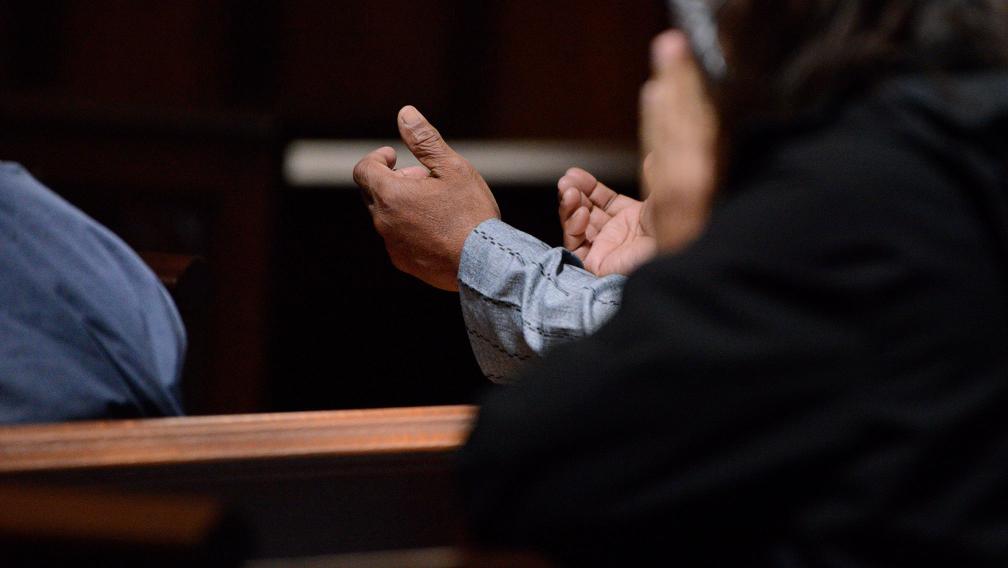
(305,484)
(414,433)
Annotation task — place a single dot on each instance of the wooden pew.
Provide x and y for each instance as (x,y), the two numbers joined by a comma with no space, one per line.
(43,526)
(306,484)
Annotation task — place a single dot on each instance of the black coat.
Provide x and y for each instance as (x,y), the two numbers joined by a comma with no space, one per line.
(820,380)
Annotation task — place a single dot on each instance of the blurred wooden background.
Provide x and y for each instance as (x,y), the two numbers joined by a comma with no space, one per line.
(168,122)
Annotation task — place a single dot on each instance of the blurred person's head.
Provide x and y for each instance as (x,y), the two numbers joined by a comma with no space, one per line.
(787,56)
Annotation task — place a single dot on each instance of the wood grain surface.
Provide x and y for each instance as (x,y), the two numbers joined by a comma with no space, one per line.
(170,441)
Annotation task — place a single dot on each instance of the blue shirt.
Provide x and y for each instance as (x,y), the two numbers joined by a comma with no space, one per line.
(520,298)
(86,329)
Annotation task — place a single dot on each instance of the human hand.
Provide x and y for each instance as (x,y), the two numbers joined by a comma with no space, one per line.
(611,233)
(679,130)
(424,214)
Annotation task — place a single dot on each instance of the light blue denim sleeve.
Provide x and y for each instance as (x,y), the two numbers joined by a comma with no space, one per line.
(520,297)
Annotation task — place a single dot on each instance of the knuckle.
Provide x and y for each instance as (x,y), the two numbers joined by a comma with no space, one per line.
(427,137)
(426,133)
(466,165)
(360,173)
(458,163)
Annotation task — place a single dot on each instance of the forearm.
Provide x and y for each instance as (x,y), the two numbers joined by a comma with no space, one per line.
(520,297)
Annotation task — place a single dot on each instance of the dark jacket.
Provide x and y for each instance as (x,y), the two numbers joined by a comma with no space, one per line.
(820,380)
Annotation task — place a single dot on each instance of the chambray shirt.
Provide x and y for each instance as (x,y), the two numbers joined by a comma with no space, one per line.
(86,329)
(520,297)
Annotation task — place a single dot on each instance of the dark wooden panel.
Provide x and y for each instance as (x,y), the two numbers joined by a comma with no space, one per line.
(514,69)
(43,526)
(352,65)
(569,69)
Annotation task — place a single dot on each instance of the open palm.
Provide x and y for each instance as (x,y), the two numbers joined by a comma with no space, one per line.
(608,231)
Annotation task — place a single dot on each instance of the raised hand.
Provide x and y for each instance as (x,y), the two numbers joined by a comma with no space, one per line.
(611,233)
(424,214)
(679,128)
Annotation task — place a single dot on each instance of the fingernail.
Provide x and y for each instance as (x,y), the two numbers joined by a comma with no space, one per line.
(411,117)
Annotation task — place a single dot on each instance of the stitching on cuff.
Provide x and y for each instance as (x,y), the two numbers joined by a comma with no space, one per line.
(549,334)
(600,300)
(521,259)
(500,246)
(537,328)
(490,300)
(497,347)
(551,279)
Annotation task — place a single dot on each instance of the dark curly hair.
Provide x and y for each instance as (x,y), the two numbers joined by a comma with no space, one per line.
(787,55)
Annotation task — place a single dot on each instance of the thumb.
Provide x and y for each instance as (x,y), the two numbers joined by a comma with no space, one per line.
(425,142)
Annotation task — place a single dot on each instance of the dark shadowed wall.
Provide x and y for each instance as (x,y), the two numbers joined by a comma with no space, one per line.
(168,122)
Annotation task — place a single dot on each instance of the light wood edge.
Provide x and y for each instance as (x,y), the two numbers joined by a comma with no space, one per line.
(342,433)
